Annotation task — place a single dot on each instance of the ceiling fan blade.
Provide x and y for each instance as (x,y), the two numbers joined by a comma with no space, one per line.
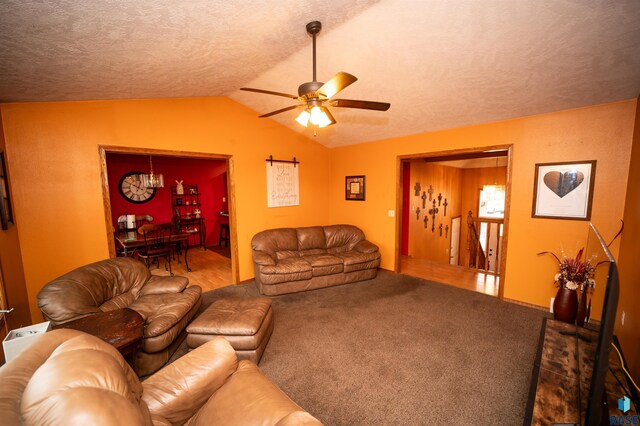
(269,92)
(352,103)
(269,114)
(336,84)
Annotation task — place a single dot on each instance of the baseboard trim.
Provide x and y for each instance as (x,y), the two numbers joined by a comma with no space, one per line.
(528,305)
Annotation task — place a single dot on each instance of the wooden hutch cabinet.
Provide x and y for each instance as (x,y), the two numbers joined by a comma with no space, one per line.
(187,215)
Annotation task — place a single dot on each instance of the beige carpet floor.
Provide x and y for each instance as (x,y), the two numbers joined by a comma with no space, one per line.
(400,350)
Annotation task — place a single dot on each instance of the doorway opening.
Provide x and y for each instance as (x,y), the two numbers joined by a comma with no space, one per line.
(454,209)
(197,199)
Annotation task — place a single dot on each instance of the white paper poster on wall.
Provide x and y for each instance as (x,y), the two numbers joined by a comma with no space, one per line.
(282,184)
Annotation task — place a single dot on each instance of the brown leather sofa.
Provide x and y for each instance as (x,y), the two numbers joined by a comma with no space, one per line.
(289,260)
(165,302)
(68,377)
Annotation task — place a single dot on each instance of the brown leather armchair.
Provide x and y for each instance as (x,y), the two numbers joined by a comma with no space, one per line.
(68,377)
(166,303)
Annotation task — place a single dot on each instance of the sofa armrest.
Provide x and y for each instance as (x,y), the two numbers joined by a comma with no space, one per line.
(365,246)
(181,388)
(263,258)
(164,285)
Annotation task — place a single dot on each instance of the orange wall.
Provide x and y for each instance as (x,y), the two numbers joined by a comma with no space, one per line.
(601,132)
(629,267)
(11,262)
(55,169)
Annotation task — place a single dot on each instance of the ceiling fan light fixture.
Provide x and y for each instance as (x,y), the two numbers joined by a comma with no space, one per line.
(327,119)
(317,116)
(303,118)
(151,180)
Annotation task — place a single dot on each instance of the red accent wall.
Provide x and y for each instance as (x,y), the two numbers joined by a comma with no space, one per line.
(406,198)
(209,175)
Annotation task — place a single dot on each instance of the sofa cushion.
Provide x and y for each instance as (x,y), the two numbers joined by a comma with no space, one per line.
(287,266)
(311,240)
(281,278)
(163,311)
(290,269)
(121,301)
(324,264)
(286,254)
(356,261)
(342,238)
(272,241)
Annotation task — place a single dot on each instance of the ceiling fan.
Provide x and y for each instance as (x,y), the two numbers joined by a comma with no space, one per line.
(315,95)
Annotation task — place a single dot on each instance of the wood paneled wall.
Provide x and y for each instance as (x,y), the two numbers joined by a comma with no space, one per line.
(461,188)
(424,243)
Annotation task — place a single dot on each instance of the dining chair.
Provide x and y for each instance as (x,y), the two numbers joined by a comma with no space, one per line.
(157,244)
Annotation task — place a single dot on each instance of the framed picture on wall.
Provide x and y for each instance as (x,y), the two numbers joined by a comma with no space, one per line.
(564,190)
(354,188)
(6,214)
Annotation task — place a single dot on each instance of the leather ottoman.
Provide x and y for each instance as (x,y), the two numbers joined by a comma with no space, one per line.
(245,323)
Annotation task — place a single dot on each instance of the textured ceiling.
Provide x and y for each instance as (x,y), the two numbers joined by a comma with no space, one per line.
(440,63)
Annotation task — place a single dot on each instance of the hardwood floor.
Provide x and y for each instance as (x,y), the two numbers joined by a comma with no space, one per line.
(209,270)
(457,276)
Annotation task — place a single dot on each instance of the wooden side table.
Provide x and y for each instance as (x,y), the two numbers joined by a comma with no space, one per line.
(122,328)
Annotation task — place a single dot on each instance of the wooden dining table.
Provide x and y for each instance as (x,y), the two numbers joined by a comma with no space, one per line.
(131,240)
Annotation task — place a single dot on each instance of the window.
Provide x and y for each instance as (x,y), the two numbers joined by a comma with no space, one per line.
(491,203)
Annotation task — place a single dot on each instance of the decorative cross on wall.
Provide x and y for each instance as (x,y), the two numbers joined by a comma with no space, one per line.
(424,200)
(426,221)
(445,204)
(417,213)
(433,211)
(446,231)
(439,198)
(440,228)
(417,188)
(430,191)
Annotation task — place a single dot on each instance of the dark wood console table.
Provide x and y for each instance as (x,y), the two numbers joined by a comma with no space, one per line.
(122,328)
(554,396)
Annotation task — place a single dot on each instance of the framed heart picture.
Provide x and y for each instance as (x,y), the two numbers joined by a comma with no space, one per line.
(564,190)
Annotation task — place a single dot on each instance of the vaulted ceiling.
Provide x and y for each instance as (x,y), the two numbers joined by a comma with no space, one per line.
(440,63)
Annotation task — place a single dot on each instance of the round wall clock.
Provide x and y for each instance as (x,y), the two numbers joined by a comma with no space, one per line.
(132,190)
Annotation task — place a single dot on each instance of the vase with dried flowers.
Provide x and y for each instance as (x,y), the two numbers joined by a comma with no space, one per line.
(575,276)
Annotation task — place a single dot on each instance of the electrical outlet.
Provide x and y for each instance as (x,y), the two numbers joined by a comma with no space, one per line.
(392,213)
(551,305)
(622,317)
